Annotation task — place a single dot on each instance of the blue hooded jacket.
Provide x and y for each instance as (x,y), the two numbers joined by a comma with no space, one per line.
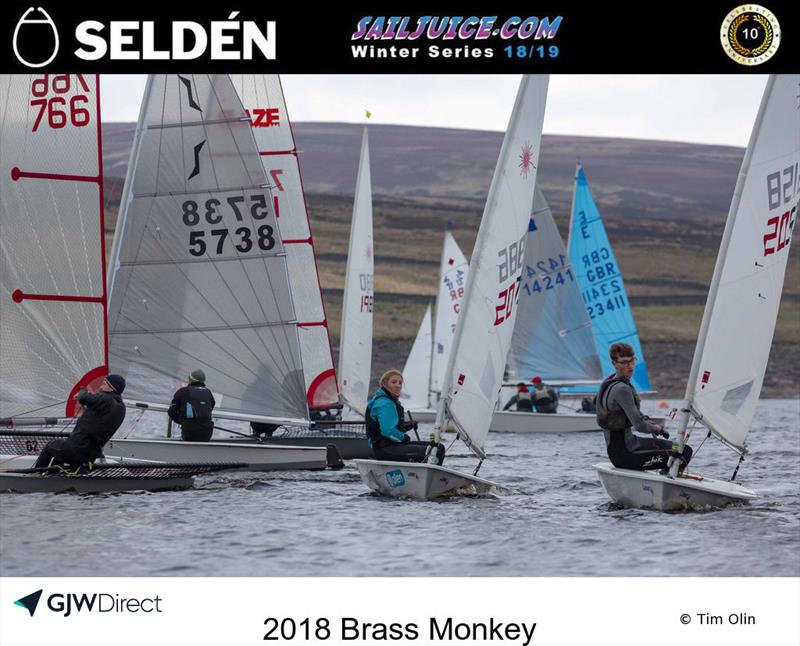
(382,409)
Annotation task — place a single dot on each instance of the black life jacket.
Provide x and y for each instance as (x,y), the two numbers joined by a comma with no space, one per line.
(524,402)
(373,428)
(199,405)
(610,420)
(544,401)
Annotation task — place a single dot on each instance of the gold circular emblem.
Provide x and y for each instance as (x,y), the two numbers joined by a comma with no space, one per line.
(750,34)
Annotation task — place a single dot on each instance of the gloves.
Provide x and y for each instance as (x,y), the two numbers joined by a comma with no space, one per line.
(406,439)
(410,426)
(432,438)
(663,434)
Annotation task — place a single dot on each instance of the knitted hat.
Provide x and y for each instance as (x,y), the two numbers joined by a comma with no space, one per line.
(197,375)
(117,383)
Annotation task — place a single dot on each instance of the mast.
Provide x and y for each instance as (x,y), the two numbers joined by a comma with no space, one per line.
(133,159)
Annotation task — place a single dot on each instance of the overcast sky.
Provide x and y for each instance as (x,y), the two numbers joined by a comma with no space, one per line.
(691,108)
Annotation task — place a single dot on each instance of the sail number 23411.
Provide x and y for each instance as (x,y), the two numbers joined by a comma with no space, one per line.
(509,269)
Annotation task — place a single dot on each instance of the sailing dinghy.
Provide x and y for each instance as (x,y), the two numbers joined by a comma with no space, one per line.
(453,273)
(199,276)
(108,477)
(738,324)
(473,378)
(52,276)
(553,333)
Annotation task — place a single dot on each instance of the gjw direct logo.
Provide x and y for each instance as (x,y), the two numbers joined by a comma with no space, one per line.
(37,39)
(71,603)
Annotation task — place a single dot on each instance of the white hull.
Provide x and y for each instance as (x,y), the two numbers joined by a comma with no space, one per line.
(258,457)
(653,491)
(418,481)
(32,483)
(521,422)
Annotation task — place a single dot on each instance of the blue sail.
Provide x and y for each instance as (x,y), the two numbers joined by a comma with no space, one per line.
(553,336)
(601,282)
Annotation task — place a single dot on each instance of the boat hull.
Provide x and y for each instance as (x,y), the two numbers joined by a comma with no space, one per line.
(257,456)
(33,483)
(349,447)
(521,422)
(649,490)
(418,480)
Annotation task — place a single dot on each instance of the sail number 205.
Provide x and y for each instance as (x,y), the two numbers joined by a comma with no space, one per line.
(782,190)
(509,269)
(243,238)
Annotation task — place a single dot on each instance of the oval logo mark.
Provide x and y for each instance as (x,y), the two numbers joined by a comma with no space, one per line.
(35,32)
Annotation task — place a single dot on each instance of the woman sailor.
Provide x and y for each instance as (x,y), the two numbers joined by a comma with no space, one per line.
(386,428)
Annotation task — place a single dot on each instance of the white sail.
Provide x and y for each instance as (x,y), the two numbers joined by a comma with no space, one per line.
(418,366)
(486,323)
(52,260)
(744,297)
(453,272)
(263,100)
(553,336)
(201,278)
(355,344)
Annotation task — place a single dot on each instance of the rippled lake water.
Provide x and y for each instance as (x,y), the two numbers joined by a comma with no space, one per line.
(555,521)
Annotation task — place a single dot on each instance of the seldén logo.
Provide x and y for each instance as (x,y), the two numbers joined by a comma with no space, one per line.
(103,602)
(36,40)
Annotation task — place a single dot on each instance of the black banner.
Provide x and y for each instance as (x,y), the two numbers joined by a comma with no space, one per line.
(553,37)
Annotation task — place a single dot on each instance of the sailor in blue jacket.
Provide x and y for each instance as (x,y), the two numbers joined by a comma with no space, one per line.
(386,426)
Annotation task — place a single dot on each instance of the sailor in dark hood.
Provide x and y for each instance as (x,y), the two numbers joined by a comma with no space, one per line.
(103,413)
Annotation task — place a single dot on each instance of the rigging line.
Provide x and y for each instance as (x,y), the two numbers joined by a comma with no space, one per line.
(35,410)
(135,422)
(246,171)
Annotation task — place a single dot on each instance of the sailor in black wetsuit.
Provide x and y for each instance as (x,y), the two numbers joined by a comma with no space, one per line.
(386,428)
(191,407)
(618,409)
(103,413)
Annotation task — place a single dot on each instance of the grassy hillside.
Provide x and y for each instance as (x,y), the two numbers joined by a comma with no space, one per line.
(663,204)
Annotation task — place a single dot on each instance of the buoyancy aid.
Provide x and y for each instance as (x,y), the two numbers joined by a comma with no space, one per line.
(615,420)
(524,402)
(373,427)
(544,401)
